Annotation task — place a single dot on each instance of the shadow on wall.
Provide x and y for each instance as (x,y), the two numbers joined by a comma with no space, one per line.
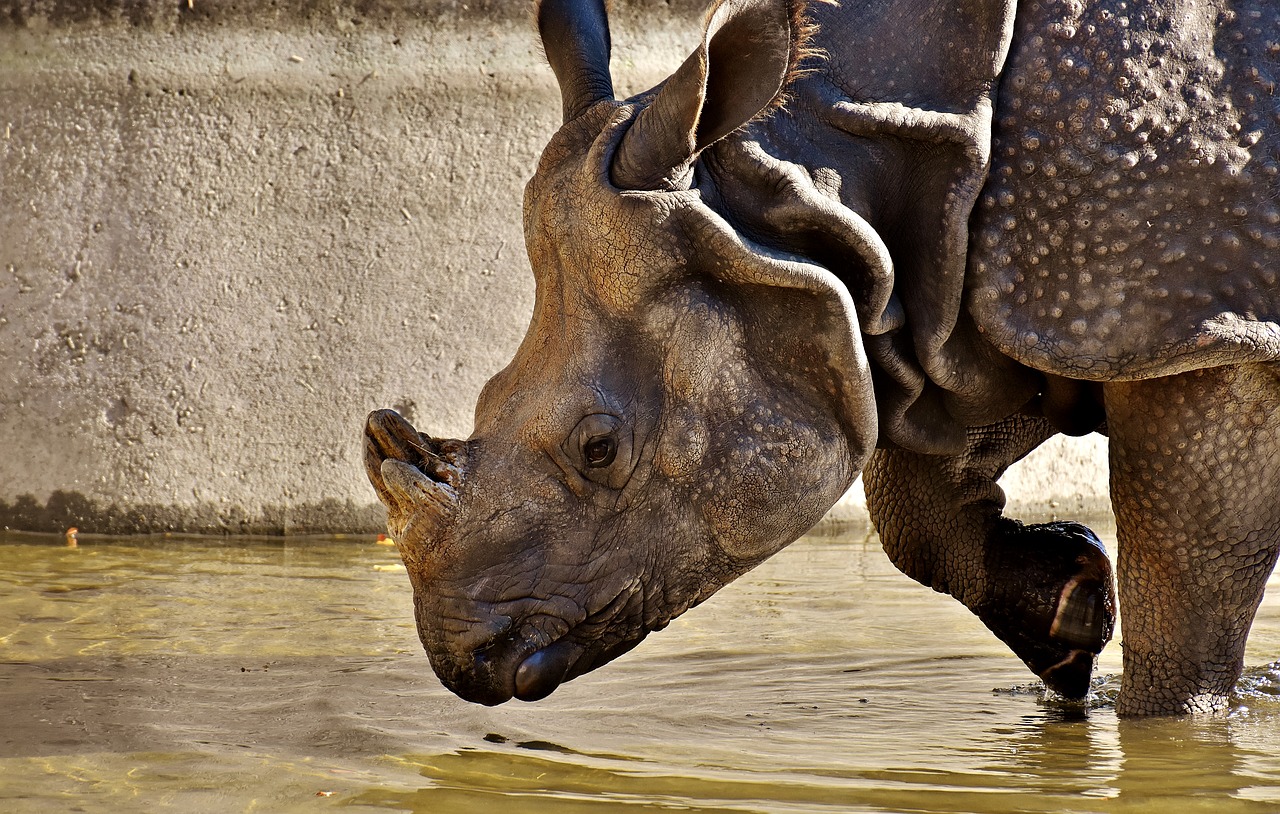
(66,509)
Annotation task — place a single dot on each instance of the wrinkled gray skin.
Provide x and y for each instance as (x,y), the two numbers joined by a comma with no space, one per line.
(972,226)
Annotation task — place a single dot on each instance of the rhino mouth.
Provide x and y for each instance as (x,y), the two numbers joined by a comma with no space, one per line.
(530,665)
(539,674)
(542,672)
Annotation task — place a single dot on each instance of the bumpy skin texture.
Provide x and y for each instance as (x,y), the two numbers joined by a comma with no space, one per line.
(873,170)
(1194,458)
(950,244)
(1045,590)
(1130,227)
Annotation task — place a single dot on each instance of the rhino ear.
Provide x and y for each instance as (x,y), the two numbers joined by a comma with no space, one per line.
(772,293)
(575,37)
(745,56)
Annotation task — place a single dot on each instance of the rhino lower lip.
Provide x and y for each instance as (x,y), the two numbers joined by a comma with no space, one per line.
(541,672)
(544,670)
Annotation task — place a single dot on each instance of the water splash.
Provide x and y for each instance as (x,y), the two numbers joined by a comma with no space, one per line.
(1260,684)
(1102,694)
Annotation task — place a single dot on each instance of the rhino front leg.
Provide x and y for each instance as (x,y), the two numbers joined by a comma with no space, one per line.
(1195,479)
(1045,590)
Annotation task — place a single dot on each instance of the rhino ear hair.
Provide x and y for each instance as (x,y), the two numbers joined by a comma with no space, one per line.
(575,37)
(746,55)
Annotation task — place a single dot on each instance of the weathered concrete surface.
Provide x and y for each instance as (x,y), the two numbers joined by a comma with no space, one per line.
(229,230)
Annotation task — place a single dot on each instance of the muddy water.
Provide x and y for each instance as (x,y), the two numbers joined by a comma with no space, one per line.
(256,675)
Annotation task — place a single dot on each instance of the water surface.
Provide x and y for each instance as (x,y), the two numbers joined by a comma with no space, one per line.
(259,675)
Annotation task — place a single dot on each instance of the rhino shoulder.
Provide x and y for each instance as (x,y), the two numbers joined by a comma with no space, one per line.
(1129,226)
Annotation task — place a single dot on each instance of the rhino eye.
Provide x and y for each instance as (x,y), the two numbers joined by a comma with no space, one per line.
(600,451)
(598,445)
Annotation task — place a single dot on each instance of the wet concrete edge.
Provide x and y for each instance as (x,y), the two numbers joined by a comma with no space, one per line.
(65,509)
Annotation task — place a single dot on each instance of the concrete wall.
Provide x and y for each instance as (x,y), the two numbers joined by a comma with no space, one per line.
(228,230)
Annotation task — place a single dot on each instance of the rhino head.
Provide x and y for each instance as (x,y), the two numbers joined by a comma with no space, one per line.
(686,401)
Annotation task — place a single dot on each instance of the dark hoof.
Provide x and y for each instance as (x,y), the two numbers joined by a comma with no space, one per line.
(1052,600)
(1070,677)
(1082,619)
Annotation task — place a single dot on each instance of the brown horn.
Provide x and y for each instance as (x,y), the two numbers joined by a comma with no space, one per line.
(417,477)
(412,488)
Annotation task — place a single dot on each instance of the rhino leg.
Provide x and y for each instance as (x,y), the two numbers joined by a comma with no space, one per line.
(1195,479)
(1045,590)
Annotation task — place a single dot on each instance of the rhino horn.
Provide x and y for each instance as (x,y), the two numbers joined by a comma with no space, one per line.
(415,475)
(739,69)
(575,37)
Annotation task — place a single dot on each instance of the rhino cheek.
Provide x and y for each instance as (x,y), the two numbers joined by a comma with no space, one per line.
(685,448)
(775,480)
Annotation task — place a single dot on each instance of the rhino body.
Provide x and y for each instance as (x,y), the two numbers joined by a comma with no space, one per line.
(917,242)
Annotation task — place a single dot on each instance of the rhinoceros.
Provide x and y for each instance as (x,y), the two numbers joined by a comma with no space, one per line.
(906,239)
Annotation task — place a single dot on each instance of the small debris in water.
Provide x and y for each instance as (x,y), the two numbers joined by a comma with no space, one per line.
(384,540)
(325,793)
(546,746)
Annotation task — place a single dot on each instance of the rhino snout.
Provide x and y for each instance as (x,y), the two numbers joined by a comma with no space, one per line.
(523,649)
(507,666)
(495,675)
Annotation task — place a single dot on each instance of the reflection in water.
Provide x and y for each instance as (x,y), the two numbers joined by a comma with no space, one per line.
(281,676)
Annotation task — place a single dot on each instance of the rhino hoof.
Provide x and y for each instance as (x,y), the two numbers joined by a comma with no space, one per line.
(1082,618)
(1053,601)
(1070,677)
